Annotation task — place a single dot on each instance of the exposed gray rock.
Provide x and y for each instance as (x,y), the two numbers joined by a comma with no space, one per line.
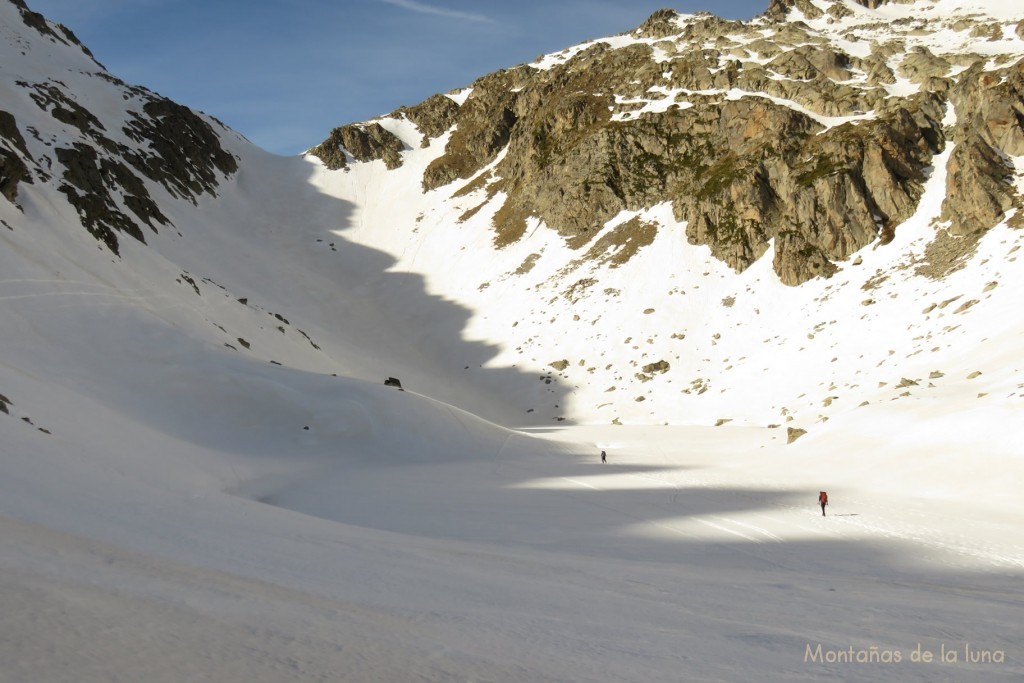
(702,27)
(921,64)
(990,128)
(734,171)
(809,62)
(992,31)
(186,155)
(49,97)
(91,183)
(174,147)
(365,142)
(12,172)
(778,10)
(878,70)
(12,152)
(661,366)
(838,10)
(660,24)
(485,122)
(743,174)
(54,31)
(434,116)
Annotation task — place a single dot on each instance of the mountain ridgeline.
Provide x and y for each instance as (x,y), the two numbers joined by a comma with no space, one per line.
(101,170)
(598,236)
(813,127)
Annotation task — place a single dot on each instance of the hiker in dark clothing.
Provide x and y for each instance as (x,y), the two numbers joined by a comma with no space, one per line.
(604,457)
(823,501)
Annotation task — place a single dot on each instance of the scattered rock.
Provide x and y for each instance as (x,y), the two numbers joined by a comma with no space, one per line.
(966,305)
(661,366)
(794,433)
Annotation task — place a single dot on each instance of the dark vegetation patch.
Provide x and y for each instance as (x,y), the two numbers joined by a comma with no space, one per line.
(622,243)
(947,253)
(528,264)
(509,224)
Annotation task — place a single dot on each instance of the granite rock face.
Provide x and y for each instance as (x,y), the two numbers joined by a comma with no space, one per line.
(989,131)
(760,134)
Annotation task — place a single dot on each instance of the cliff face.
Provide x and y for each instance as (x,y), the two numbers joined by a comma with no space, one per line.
(988,134)
(812,128)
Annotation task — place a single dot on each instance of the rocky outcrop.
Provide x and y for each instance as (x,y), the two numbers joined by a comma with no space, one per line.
(371,141)
(187,157)
(106,164)
(12,172)
(990,128)
(809,62)
(104,179)
(12,152)
(760,135)
(485,122)
(51,98)
(660,24)
(365,142)
(434,116)
(92,183)
(57,32)
(921,64)
(778,10)
(741,173)
(820,199)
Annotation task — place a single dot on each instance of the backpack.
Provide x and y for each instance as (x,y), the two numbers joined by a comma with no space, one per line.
(823,498)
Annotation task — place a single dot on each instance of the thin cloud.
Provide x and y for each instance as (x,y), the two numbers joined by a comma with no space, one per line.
(422,8)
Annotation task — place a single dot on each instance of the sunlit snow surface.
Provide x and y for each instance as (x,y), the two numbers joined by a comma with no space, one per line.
(176,505)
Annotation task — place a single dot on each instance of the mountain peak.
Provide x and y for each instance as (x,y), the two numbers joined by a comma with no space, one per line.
(614,221)
(791,150)
(812,138)
(51,30)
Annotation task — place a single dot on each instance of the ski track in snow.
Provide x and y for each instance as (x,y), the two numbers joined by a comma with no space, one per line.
(891,522)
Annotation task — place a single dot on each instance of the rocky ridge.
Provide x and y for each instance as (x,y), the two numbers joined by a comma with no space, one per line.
(810,129)
(106,173)
(557,304)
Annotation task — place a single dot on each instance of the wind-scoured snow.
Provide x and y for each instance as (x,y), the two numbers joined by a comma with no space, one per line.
(204,478)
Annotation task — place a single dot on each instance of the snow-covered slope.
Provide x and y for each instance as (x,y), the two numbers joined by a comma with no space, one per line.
(203,476)
(665,332)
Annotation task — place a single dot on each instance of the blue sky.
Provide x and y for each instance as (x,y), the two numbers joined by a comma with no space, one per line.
(285,72)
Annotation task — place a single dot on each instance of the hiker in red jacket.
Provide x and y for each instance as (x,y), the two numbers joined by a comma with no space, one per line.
(823,501)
